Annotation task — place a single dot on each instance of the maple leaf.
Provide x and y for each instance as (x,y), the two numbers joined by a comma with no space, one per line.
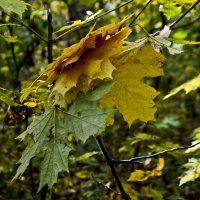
(49,133)
(17,7)
(84,118)
(40,130)
(55,161)
(83,65)
(132,97)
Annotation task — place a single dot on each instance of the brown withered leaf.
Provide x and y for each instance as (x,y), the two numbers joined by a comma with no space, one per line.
(84,65)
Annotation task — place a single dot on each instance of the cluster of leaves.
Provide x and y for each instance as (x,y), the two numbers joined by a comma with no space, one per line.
(90,78)
(88,65)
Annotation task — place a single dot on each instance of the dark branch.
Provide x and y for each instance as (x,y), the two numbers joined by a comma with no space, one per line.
(92,20)
(23,24)
(44,190)
(112,167)
(187,24)
(154,155)
(50,36)
(136,17)
(184,14)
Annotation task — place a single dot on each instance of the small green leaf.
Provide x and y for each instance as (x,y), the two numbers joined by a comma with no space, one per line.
(16,6)
(6,99)
(192,172)
(25,92)
(10,39)
(87,155)
(170,9)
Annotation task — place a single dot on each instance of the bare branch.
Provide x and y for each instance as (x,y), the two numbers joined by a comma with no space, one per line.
(136,17)
(92,20)
(187,24)
(99,141)
(184,14)
(154,155)
(23,24)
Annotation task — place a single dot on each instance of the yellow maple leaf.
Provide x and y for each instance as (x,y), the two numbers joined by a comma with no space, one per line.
(132,97)
(82,65)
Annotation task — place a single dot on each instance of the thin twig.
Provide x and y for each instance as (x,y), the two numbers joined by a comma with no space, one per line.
(154,155)
(13,50)
(187,24)
(17,67)
(184,14)
(23,24)
(136,17)
(44,190)
(112,167)
(92,20)
(50,36)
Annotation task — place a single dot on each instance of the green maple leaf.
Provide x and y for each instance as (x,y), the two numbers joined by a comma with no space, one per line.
(16,6)
(84,118)
(49,133)
(39,129)
(55,161)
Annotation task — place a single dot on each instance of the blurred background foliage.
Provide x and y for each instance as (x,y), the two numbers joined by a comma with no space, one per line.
(177,119)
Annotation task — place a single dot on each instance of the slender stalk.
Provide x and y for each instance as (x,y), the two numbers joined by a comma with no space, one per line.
(154,155)
(184,14)
(92,20)
(111,165)
(17,67)
(26,26)
(44,190)
(187,24)
(50,36)
(136,17)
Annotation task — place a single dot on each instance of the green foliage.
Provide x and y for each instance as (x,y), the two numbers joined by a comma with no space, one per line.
(26,92)
(17,7)
(50,133)
(84,118)
(192,172)
(50,137)
(6,99)
(10,39)
(55,161)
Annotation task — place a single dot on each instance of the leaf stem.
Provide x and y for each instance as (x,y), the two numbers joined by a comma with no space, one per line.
(94,19)
(112,167)
(154,155)
(26,26)
(184,14)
